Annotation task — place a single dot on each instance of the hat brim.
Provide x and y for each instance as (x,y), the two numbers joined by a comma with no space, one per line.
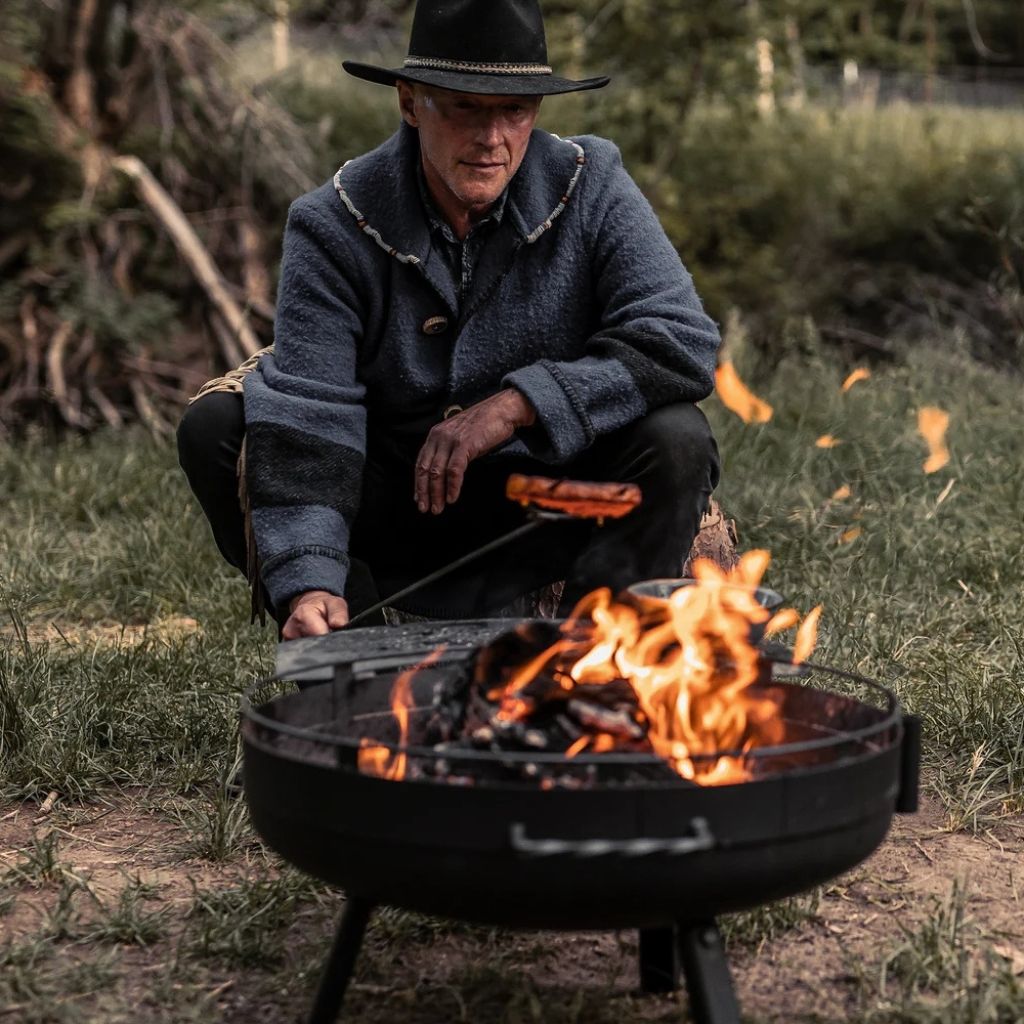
(483,84)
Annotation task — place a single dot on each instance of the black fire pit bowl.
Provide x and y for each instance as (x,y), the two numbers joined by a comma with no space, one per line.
(596,853)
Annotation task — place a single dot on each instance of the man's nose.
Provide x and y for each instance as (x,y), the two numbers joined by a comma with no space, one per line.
(488,132)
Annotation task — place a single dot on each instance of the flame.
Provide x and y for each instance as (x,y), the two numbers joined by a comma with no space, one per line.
(849,535)
(827,441)
(841,493)
(861,373)
(736,397)
(377,759)
(932,424)
(785,619)
(690,663)
(806,636)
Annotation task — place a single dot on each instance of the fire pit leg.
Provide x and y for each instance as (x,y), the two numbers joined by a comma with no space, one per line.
(341,961)
(708,981)
(659,960)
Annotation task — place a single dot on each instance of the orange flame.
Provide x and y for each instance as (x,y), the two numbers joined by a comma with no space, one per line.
(377,759)
(849,535)
(806,636)
(932,424)
(690,663)
(841,493)
(861,373)
(827,441)
(738,398)
(784,619)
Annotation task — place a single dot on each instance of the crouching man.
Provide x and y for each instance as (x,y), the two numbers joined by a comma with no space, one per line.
(473,298)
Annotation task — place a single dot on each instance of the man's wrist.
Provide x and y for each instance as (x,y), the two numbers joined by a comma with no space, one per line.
(305,596)
(523,412)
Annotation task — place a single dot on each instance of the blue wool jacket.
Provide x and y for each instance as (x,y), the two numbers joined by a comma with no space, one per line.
(579,301)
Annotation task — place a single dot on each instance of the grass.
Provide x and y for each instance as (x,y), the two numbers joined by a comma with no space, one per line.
(244,925)
(943,971)
(926,598)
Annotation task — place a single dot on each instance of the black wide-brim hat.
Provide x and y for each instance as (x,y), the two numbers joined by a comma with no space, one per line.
(493,47)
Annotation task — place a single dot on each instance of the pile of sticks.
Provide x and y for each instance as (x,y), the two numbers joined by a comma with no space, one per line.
(119,305)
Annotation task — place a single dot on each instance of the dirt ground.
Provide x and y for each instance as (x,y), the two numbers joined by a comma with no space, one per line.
(809,972)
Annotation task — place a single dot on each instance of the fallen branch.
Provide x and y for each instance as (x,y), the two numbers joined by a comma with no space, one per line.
(106,408)
(167,211)
(147,411)
(232,353)
(55,374)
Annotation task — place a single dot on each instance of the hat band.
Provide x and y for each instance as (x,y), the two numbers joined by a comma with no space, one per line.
(473,67)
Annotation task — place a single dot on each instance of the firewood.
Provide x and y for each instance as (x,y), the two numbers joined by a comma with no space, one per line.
(716,540)
(192,250)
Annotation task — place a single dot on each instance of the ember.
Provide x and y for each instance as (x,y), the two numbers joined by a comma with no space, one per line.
(738,398)
(861,373)
(932,424)
(673,677)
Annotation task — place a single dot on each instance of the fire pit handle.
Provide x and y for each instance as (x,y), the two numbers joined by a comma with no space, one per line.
(700,839)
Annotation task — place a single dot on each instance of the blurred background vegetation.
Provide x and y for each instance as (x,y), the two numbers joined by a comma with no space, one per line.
(839,172)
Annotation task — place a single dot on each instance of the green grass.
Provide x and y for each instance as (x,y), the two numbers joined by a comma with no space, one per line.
(927,598)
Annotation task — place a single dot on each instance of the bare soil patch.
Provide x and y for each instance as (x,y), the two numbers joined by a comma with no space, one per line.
(105,634)
(425,972)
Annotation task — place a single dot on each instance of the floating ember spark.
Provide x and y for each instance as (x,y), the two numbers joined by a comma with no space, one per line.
(785,619)
(738,398)
(861,373)
(806,636)
(827,441)
(841,493)
(932,424)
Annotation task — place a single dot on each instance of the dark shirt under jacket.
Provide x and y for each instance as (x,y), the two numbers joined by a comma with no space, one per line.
(460,257)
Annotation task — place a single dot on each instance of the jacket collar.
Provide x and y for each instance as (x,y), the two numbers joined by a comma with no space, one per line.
(380,191)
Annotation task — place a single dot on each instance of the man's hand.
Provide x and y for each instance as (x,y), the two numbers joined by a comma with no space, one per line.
(315,613)
(453,444)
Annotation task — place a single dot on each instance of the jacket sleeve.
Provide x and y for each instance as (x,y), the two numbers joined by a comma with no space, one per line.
(654,344)
(305,417)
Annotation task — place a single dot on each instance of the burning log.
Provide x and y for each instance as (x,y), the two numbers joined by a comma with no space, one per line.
(678,679)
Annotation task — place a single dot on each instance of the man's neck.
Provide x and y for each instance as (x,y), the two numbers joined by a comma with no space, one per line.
(459,217)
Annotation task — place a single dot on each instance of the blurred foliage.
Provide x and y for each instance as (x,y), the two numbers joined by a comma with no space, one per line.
(894,221)
(880,225)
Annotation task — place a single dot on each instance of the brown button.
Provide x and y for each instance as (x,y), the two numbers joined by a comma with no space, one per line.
(452,410)
(435,325)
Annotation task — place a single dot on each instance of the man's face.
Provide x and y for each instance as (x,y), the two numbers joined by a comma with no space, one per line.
(472,145)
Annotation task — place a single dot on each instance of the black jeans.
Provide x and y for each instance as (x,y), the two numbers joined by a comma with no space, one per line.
(670,454)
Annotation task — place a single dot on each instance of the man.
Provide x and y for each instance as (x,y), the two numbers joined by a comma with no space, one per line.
(474,298)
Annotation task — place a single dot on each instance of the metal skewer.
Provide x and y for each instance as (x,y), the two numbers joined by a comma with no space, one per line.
(547,501)
(537,518)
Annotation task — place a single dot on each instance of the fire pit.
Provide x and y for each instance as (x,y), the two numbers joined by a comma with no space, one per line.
(348,785)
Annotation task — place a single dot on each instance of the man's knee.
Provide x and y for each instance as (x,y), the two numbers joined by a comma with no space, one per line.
(210,435)
(679,446)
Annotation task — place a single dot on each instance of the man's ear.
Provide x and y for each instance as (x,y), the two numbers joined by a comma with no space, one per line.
(407,103)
